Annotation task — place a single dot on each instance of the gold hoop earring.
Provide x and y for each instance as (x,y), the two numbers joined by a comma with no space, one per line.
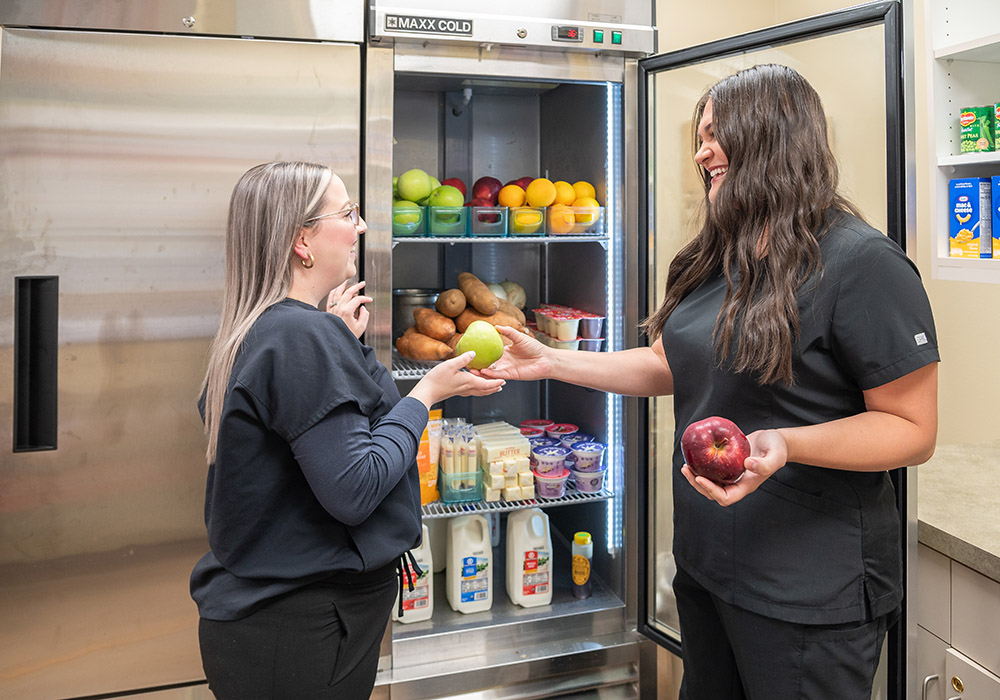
(308,264)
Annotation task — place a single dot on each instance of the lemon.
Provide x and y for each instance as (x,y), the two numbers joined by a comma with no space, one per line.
(584,189)
(540,193)
(565,194)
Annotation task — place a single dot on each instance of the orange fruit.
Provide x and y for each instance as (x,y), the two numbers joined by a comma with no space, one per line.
(540,193)
(584,189)
(565,194)
(511,196)
(589,215)
(561,219)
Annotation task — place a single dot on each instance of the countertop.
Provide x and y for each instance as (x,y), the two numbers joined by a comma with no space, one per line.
(958,505)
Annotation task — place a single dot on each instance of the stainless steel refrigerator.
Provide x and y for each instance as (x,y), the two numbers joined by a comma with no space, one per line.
(124,125)
(123,128)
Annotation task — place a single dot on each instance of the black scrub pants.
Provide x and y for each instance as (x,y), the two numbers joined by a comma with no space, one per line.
(732,654)
(316,643)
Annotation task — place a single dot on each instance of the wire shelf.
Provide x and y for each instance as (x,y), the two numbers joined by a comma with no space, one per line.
(404,368)
(561,238)
(437,509)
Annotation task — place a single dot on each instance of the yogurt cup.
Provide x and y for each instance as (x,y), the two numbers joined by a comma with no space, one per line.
(568,439)
(589,482)
(588,455)
(529,432)
(565,344)
(542,423)
(551,484)
(591,344)
(539,442)
(558,430)
(564,326)
(550,458)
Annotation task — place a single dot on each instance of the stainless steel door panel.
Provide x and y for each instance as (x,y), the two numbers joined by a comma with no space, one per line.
(330,20)
(117,157)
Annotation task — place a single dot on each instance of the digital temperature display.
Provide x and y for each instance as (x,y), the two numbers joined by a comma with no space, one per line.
(567,33)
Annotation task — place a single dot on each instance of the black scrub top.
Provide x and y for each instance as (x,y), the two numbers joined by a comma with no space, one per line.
(811,545)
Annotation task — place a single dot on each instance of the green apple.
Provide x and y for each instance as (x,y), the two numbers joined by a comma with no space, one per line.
(405,212)
(485,340)
(446,196)
(395,188)
(414,185)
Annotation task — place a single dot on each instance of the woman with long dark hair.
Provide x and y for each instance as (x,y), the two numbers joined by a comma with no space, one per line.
(792,317)
(313,492)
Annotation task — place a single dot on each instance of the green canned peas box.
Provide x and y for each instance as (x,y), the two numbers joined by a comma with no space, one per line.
(977,129)
(970,218)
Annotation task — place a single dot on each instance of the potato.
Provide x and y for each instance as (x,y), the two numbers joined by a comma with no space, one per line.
(433,324)
(508,308)
(478,294)
(417,346)
(450,302)
(498,319)
(454,340)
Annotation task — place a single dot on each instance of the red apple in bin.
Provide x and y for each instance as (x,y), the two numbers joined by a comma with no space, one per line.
(522,182)
(456,183)
(715,448)
(487,188)
(484,217)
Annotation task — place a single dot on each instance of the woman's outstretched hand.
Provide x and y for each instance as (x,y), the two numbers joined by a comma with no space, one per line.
(347,302)
(768,454)
(448,379)
(524,358)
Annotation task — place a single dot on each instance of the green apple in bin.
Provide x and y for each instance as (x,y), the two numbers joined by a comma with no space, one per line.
(446,196)
(414,185)
(484,339)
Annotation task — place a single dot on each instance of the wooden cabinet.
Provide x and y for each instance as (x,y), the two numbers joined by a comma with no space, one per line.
(963,69)
(958,613)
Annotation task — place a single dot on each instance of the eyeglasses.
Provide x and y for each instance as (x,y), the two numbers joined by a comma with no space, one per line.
(352,208)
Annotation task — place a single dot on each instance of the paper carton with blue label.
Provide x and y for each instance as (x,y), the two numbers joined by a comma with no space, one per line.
(996,210)
(970,220)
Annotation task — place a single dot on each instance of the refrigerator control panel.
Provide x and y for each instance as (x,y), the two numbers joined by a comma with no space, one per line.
(599,33)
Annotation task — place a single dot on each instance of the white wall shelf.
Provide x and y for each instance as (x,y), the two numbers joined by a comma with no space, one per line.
(970,159)
(984,49)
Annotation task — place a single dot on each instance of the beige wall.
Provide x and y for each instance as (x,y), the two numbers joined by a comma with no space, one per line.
(965,312)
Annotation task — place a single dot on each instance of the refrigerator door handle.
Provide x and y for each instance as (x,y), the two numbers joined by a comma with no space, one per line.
(36,355)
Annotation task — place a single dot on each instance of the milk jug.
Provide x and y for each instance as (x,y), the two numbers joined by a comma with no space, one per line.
(469,578)
(529,558)
(418,604)
(438,527)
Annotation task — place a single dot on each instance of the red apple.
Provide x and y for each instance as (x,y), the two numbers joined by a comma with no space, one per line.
(523,182)
(716,449)
(484,217)
(487,188)
(456,183)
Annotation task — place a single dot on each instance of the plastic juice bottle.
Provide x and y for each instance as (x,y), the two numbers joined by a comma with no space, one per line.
(469,578)
(418,604)
(529,558)
(583,553)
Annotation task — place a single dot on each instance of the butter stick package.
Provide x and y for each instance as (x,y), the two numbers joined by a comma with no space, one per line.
(970,220)
(996,210)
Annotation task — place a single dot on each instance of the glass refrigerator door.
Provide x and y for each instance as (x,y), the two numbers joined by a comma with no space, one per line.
(852,58)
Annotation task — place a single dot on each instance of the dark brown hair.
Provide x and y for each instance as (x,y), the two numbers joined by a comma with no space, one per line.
(782,180)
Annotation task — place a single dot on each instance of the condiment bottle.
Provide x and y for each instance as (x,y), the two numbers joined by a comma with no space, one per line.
(583,553)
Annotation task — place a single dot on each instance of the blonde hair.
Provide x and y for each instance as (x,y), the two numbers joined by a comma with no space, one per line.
(268,208)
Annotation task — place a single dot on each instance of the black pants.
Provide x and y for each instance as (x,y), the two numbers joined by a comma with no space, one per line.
(733,654)
(316,643)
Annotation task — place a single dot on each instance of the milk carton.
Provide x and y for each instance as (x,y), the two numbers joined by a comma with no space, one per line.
(529,558)
(996,209)
(469,575)
(970,221)
(418,604)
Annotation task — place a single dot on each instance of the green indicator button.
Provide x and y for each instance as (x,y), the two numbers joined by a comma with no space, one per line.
(598,36)
(616,37)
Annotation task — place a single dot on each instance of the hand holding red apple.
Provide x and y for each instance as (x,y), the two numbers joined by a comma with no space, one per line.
(765,453)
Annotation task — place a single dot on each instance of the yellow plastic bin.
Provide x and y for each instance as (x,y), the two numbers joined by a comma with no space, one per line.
(526,221)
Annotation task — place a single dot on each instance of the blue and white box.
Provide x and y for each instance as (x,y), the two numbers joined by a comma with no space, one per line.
(970,218)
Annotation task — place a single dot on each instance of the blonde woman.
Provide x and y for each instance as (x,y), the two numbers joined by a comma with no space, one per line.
(312,493)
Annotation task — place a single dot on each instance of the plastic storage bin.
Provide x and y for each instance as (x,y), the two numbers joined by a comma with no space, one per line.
(526,221)
(447,221)
(461,487)
(488,221)
(409,221)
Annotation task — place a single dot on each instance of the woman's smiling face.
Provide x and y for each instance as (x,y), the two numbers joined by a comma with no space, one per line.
(334,235)
(710,155)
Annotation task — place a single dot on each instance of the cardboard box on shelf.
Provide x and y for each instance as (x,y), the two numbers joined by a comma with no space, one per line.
(969,218)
